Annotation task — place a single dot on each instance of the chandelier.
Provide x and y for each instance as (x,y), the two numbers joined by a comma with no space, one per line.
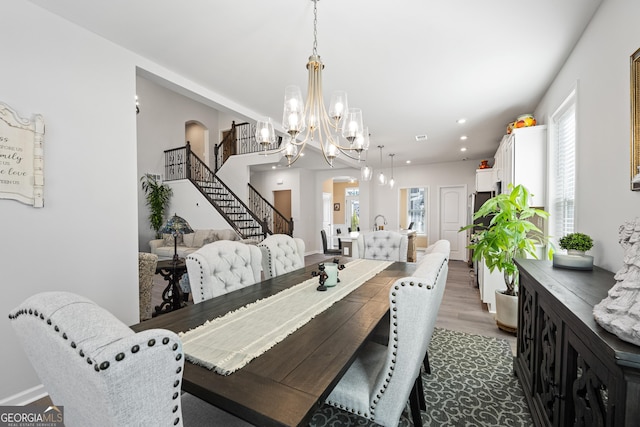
(338,131)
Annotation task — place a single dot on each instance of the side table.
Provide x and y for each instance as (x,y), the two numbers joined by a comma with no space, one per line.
(172,297)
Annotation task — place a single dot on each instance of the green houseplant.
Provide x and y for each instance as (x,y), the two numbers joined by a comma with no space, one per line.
(509,234)
(576,242)
(158,196)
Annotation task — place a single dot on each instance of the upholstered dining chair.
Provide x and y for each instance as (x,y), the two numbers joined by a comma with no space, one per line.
(382,378)
(221,267)
(281,254)
(146,270)
(382,245)
(102,372)
(325,247)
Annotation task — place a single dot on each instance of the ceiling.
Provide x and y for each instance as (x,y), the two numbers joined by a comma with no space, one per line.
(414,67)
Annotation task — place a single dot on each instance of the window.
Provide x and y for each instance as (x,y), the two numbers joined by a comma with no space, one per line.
(412,201)
(562,170)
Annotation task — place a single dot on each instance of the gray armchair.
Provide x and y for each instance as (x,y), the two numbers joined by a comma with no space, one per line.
(221,267)
(382,378)
(102,372)
(281,254)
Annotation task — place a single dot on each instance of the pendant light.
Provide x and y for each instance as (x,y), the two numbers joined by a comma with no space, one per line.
(382,179)
(392,181)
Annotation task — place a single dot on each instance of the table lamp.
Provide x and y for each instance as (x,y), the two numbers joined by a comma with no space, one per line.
(177,226)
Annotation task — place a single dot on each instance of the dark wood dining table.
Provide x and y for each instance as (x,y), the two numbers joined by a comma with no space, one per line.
(285,385)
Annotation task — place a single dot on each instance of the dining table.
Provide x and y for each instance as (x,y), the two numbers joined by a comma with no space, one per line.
(286,384)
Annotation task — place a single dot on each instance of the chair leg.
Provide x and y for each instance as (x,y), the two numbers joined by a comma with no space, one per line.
(425,362)
(421,398)
(414,404)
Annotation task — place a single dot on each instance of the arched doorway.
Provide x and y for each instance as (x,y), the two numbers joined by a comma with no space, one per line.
(198,137)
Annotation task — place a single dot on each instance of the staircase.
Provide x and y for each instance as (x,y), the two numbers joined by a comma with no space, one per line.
(181,163)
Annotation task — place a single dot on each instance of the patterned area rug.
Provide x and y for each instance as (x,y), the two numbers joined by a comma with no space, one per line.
(471,384)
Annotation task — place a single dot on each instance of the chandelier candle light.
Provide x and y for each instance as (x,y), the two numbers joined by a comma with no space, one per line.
(338,131)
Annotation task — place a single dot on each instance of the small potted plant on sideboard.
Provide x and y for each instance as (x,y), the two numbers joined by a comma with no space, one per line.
(576,244)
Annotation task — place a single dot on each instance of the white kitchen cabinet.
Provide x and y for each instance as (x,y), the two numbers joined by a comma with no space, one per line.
(485,179)
(489,283)
(521,159)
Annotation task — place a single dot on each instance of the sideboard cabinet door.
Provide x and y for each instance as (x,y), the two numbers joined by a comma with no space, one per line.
(573,372)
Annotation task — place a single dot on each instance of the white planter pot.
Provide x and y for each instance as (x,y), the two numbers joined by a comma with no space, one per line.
(506,312)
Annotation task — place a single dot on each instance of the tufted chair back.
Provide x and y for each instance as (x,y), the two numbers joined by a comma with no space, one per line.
(146,270)
(382,245)
(281,254)
(378,383)
(102,372)
(221,267)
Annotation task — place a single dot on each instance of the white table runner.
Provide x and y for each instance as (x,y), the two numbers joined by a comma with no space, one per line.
(228,343)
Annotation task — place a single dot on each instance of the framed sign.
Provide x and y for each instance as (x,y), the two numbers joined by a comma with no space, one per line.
(635,121)
(21,157)
(336,206)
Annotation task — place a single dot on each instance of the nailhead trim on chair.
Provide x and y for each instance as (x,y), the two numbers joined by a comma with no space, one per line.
(201,277)
(119,357)
(395,346)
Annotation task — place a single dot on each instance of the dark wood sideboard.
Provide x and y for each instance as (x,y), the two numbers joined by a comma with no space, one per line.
(573,372)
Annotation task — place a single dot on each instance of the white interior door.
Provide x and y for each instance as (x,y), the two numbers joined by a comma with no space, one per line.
(327,214)
(453,214)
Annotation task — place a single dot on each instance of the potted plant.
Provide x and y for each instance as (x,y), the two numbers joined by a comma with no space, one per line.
(576,244)
(158,196)
(509,234)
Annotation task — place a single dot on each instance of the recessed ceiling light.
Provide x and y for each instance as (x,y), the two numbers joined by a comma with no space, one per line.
(408,161)
(461,121)
(463,137)
(463,149)
(273,167)
(421,138)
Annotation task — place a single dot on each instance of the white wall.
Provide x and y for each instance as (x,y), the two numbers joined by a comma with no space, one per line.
(599,67)
(306,190)
(84,240)
(161,126)
(384,200)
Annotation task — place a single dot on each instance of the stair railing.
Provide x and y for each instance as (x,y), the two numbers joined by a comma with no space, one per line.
(182,163)
(262,208)
(242,139)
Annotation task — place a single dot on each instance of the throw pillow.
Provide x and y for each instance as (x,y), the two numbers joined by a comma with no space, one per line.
(188,239)
(226,234)
(209,239)
(167,239)
(199,236)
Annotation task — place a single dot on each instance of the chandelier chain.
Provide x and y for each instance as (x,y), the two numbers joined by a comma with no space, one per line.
(315,27)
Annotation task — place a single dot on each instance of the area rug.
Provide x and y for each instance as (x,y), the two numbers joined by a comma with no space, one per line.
(471,384)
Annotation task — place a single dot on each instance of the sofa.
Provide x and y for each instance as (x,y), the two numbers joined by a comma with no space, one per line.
(189,243)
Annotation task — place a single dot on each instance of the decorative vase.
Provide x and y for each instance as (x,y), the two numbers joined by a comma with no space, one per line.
(506,312)
(573,260)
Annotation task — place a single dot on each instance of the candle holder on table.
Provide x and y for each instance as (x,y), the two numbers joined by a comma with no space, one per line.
(328,274)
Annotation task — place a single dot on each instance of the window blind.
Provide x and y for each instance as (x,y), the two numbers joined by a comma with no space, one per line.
(563,179)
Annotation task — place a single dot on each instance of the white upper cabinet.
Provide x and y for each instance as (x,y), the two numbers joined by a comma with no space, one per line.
(486,179)
(521,159)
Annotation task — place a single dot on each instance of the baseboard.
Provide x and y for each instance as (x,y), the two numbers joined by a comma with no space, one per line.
(25,397)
